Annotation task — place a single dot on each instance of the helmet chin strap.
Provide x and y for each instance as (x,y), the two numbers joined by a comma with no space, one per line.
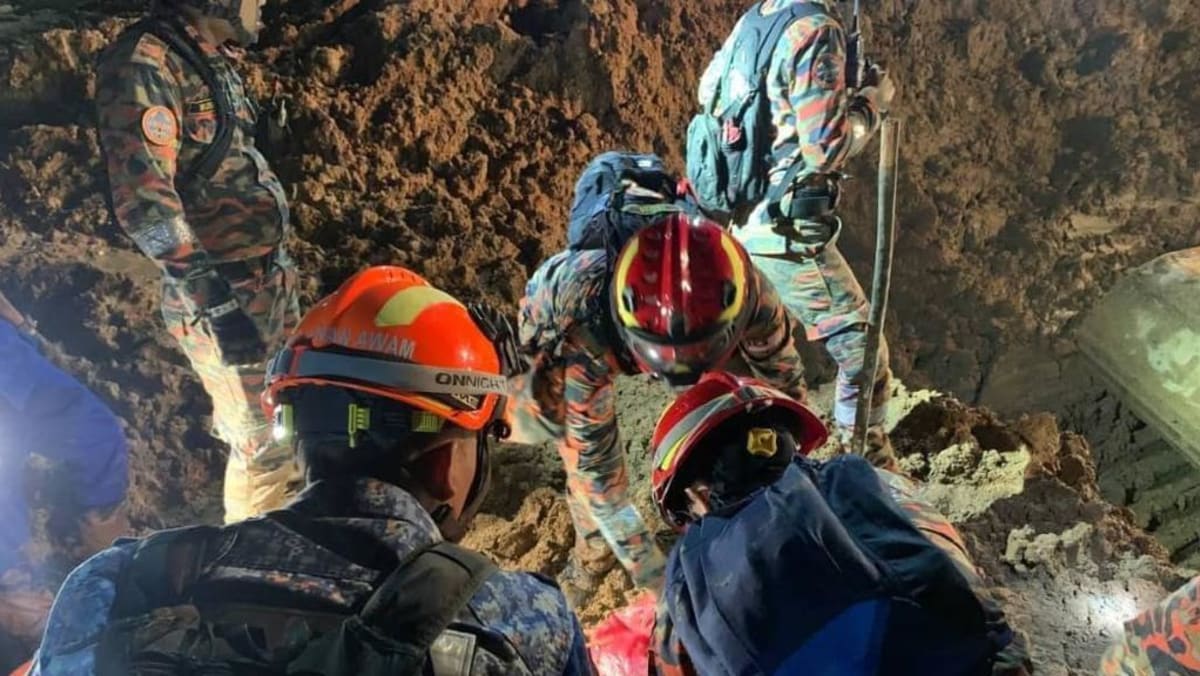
(454,527)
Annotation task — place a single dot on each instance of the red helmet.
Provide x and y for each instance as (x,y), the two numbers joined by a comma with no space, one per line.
(719,396)
(681,295)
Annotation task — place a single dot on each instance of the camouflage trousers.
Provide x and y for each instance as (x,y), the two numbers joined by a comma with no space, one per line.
(597,484)
(1164,639)
(820,290)
(259,470)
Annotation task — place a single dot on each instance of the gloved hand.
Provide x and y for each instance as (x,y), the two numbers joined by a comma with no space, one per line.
(237,335)
(878,84)
(235,332)
(500,330)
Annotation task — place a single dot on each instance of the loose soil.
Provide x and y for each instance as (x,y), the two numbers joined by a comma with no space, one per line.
(1048,146)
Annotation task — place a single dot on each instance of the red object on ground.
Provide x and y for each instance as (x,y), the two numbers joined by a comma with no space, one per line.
(620,645)
(23,670)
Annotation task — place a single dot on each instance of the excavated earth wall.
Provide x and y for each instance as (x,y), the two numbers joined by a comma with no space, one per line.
(1048,146)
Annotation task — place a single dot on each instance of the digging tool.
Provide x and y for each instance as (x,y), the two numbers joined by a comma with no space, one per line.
(856,61)
(889,152)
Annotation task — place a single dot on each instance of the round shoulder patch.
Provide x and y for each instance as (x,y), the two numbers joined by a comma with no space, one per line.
(159,125)
(828,71)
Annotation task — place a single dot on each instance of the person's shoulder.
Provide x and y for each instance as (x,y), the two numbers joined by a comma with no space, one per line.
(134,46)
(572,280)
(82,606)
(573,265)
(531,612)
(812,17)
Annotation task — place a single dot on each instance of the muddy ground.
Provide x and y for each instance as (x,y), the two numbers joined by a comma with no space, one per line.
(1048,146)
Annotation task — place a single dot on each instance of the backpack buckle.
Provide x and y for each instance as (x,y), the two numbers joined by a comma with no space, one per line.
(731,133)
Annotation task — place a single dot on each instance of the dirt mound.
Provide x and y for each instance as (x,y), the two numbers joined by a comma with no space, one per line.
(1068,566)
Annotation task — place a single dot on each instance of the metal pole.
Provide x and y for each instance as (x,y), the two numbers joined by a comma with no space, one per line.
(889,151)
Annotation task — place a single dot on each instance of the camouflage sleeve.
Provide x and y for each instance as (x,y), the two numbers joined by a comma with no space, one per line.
(769,346)
(588,391)
(139,109)
(80,614)
(933,525)
(1164,639)
(811,114)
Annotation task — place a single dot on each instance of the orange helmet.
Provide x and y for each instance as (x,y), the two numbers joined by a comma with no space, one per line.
(682,293)
(387,332)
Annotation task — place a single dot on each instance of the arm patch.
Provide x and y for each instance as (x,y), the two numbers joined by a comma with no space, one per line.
(149,51)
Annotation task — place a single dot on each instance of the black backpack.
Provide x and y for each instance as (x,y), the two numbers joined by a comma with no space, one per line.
(618,194)
(729,146)
(162,622)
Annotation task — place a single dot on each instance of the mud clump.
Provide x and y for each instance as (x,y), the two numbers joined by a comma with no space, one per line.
(1068,567)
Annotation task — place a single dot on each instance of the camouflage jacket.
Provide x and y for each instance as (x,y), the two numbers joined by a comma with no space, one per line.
(519,609)
(156,116)
(811,108)
(1164,639)
(670,658)
(566,327)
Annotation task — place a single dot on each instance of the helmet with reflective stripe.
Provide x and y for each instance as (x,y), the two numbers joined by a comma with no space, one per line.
(682,436)
(681,296)
(387,332)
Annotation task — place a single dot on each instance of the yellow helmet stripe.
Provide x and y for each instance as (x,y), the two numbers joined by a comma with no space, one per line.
(738,268)
(403,308)
(621,277)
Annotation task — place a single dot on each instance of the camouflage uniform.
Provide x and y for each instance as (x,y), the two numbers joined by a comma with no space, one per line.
(569,395)
(670,657)
(812,113)
(156,116)
(1162,640)
(517,610)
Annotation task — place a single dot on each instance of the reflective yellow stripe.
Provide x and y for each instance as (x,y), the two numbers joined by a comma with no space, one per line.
(732,250)
(620,278)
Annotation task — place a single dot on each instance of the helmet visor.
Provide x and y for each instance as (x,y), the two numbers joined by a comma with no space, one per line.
(682,363)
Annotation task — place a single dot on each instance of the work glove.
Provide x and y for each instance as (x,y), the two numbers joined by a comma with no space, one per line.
(235,332)
(500,330)
(878,85)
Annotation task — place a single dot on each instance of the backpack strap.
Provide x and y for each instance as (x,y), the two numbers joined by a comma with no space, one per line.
(162,569)
(771,28)
(403,619)
(426,592)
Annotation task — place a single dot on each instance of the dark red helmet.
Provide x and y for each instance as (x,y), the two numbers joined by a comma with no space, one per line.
(680,435)
(682,293)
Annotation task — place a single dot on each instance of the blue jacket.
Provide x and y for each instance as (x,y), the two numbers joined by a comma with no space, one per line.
(46,412)
(822,572)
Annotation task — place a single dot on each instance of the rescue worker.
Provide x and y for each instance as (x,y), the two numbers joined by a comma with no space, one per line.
(681,297)
(788,565)
(46,412)
(816,124)
(1164,639)
(389,391)
(188,185)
